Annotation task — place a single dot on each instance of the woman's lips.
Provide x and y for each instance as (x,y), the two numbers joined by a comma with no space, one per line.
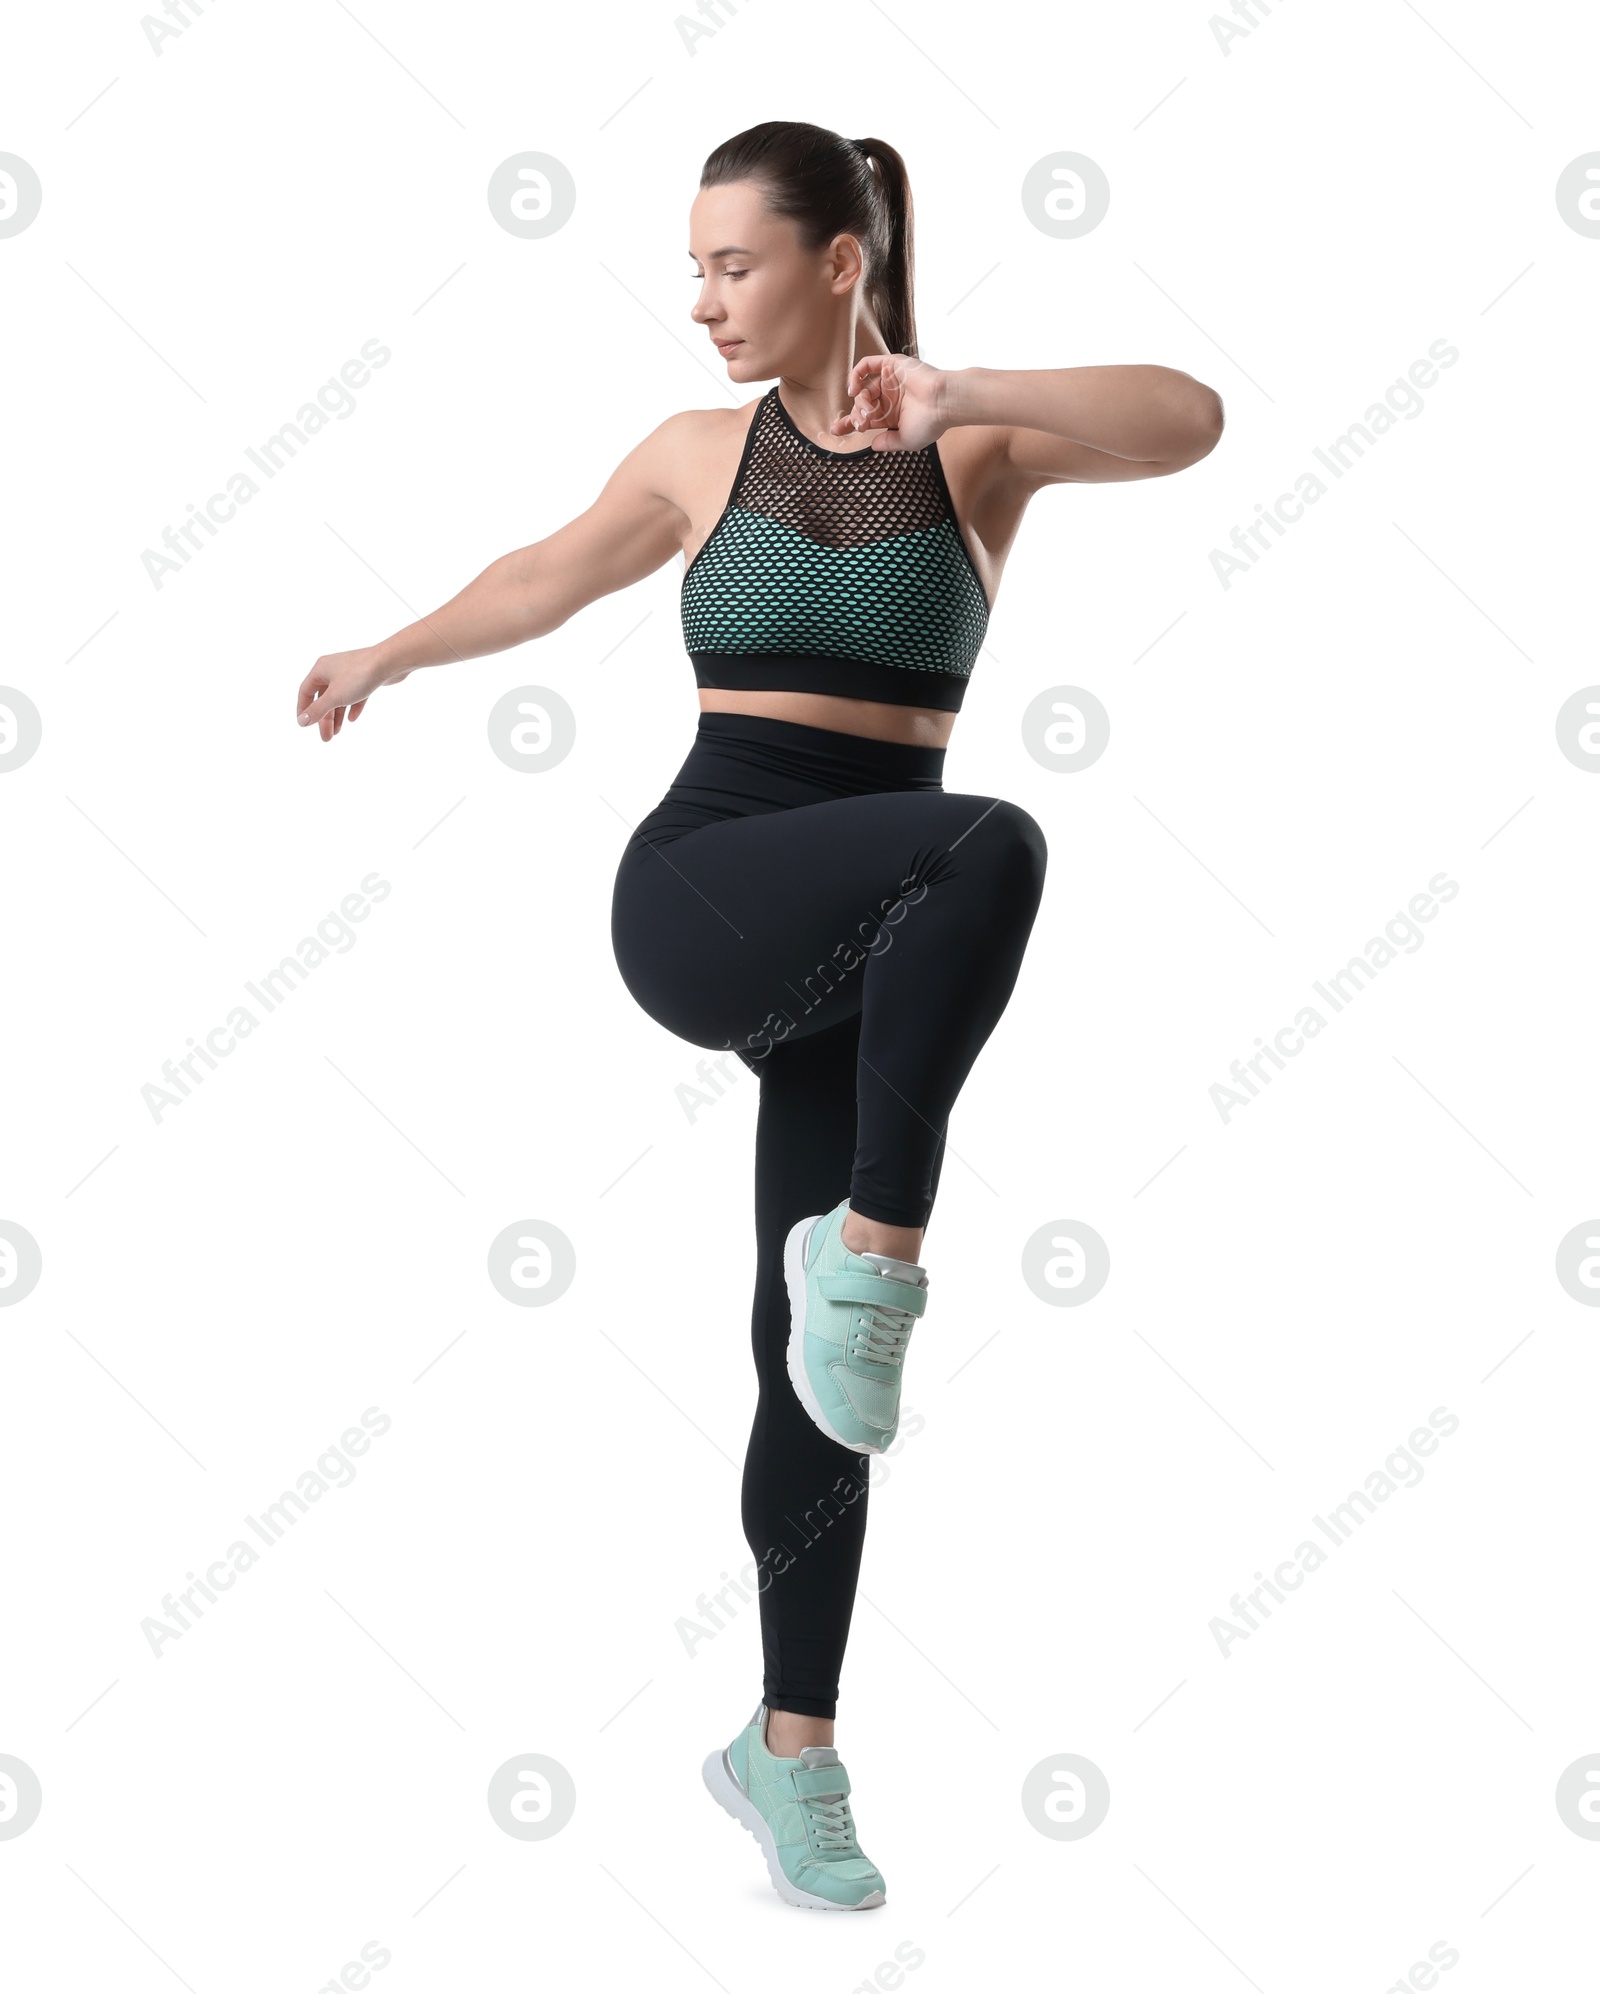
(726,345)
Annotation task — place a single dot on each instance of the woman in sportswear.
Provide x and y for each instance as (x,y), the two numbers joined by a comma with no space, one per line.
(808,897)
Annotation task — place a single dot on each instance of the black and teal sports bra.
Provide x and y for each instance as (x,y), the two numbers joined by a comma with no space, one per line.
(841,571)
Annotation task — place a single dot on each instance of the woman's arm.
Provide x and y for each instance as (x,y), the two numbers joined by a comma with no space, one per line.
(1092,424)
(632,529)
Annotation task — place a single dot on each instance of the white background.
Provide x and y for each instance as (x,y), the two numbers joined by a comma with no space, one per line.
(1292,1292)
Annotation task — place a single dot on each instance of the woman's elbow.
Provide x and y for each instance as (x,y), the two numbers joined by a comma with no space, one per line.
(1202,428)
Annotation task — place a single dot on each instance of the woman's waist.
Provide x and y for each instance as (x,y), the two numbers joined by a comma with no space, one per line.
(744,763)
(850,714)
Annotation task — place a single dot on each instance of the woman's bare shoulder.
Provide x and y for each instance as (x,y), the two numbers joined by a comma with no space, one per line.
(705,429)
(692,456)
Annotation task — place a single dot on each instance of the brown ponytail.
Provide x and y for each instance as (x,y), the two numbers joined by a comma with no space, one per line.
(828,186)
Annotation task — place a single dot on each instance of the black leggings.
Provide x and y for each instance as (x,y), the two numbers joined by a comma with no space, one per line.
(818,903)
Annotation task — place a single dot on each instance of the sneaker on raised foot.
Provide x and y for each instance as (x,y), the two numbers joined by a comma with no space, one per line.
(851,1317)
(799,1811)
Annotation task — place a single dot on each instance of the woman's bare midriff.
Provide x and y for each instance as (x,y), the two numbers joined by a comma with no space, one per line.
(919,726)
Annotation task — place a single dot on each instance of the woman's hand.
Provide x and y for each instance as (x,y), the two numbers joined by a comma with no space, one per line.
(343,679)
(897,396)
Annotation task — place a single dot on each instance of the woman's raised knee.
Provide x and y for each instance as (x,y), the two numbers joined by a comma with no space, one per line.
(1016,843)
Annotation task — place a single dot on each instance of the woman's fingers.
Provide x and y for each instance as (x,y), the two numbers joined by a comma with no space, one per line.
(874,387)
(871,409)
(312,686)
(863,409)
(325,710)
(321,713)
(340,683)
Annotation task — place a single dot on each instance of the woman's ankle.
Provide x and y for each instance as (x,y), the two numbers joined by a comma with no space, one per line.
(862,1235)
(788,1732)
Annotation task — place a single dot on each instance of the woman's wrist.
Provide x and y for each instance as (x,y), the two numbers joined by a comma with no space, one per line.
(408,650)
(960,396)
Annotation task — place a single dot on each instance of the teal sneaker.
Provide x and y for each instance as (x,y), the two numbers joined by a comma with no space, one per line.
(799,1811)
(851,1317)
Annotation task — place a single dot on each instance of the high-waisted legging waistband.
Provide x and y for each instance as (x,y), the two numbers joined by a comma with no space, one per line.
(741,764)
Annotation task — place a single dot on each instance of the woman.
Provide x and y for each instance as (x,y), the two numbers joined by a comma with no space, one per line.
(807,895)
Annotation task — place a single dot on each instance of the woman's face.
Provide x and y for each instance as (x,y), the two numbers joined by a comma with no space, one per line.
(769,306)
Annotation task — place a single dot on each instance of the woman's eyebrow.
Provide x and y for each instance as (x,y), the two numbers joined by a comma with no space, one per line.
(732,250)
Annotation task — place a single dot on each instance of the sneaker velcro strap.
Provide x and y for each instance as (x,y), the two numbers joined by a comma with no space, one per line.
(872,1289)
(821,1782)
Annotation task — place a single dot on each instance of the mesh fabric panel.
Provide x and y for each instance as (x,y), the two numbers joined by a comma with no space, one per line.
(834,558)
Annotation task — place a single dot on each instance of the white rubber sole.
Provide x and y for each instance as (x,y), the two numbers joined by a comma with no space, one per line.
(725,1789)
(794,1274)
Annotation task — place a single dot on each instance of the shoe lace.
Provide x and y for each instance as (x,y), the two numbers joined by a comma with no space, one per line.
(832,1831)
(884,1332)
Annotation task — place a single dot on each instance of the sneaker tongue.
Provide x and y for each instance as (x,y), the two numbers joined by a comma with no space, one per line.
(902,1270)
(818,1755)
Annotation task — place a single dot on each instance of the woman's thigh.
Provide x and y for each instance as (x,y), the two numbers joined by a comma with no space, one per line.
(758,929)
